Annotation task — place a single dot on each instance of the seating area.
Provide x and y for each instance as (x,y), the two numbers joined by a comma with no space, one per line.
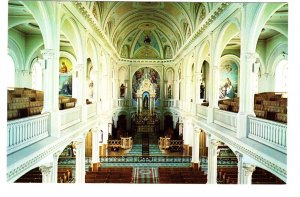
(33,176)
(185,175)
(110,175)
(229,175)
(231,105)
(24,102)
(66,102)
(271,106)
(64,175)
(267,105)
(261,176)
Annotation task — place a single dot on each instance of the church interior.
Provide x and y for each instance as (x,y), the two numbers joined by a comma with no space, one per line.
(132,92)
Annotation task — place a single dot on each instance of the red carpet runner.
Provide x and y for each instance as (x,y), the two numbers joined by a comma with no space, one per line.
(145,175)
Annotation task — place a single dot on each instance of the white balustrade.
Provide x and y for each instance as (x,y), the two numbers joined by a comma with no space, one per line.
(268,132)
(92,110)
(26,131)
(201,111)
(169,103)
(123,103)
(70,117)
(225,119)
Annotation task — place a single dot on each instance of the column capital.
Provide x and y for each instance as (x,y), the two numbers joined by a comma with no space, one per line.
(95,129)
(78,143)
(215,67)
(248,169)
(45,169)
(197,130)
(238,155)
(48,53)
(215,143)
(251,57)
(79,66)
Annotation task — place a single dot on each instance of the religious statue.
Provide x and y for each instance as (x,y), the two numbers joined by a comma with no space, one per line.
(122,90)
(169,91)
(202,89)
(145,102)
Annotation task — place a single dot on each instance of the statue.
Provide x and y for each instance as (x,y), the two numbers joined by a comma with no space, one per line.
(202,89)
(122,90)
(169,91)
(145,102)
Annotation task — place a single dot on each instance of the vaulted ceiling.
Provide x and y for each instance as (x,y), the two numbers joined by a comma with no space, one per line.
(148,29)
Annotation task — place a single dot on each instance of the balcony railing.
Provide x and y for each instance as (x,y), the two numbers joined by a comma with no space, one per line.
(91,110)
(202,111)
(122,103)
(26,131)
(225,119)
(70,117)
(169,103)
(268,132)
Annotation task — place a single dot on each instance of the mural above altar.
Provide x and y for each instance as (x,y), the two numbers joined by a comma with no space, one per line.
(146,83)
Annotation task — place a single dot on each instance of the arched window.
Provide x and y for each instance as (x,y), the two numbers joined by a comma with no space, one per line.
(281,76)
(37,76)
(10,79)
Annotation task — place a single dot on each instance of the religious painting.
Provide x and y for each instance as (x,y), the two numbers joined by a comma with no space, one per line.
(139,76)
(228,80)
(65,77)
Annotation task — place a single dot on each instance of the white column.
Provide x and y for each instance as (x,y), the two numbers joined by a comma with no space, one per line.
(55,166)
(187,131)
(51,87)
(212,160)
(248,170)
(246,85)
(46,173)
(195,156)
(95,145)
(240,166)
(80,161)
